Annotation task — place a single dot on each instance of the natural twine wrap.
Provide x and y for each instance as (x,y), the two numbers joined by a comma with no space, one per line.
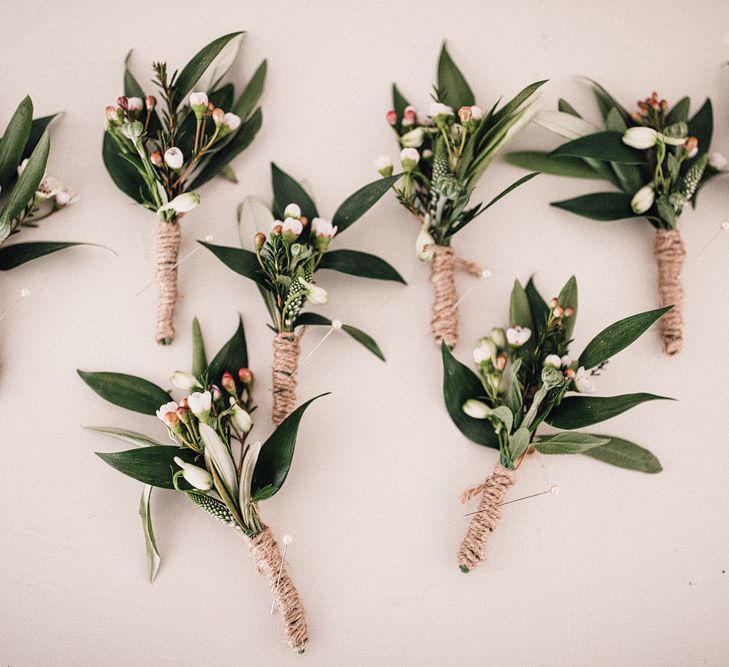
(493,492)
(168,248)
(670,253)
(286,352)
(268,559)
(444,323)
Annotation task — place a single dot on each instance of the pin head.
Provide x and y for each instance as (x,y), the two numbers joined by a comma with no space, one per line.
(24,292)
(208,239)
(485,274)
(725,225)
(336,324)
(287,539)
(553,490)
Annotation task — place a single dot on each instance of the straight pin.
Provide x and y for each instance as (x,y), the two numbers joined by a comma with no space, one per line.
(722,228)
(208,239)
(23,293)
(552,491)
(287,539)
(336,326)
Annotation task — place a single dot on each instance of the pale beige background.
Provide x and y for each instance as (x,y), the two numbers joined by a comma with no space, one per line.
(620,568)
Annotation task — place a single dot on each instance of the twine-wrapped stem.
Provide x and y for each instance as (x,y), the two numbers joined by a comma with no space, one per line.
(286,352)
(168,248)
(670,253)
(493,493)
(267,556)
(444,321)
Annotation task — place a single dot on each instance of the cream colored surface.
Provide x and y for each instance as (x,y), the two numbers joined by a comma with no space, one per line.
(619,568)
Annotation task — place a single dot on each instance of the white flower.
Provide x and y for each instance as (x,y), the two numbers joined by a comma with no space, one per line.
(199,403)
(499,337)
(485,351)
(231,123)
(292,227)
(316,295)
(517,335)
(553,361)
(566,361)
(174,157)
(413,139)
(164,409)
(383,164)
(717,161)
(241,420)
(438,109)
(135,103)
(292,211)
(640,137)
(643,199)
(199,100)
(424,243)
(673,141)
(65,197)
(476,113)
(582,381)
(194,475)
(476,409)
(184,381)
(409,158)
(182,203)
(49,188)
(22,166)
(322,227)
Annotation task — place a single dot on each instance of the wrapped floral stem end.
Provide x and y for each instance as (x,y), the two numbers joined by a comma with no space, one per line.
(670,254)
(286,352)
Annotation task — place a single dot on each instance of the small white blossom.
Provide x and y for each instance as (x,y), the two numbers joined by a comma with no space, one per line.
(476,409)
(174,157)
(437,109)
(49,188)
(231,121)
(424,243)
(194,475)
(553,361)
(241,420)
(198,99)
(292,211)
(164,409)
(135,103)
(583,381)
(640,137)
(292,227)
(316,295)
(485,351)
(184,381)
(199,403)
(476,113)
(413,139)
(182,203)
(409,158)
(383,164)
(643,199)
(517,335)
(322,227)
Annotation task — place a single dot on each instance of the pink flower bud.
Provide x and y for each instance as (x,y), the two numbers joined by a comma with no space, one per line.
(218,116)
(245,376)
(228,382)
(110,113)
(410,113)
(151,102)
(135,103)
(391,117)
(122,102)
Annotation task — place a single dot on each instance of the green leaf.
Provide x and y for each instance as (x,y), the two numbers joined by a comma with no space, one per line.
(243,262)
(679,112)
(20,253)
(274,459)
(567,298)
(150,465)
(312,320)
(252,93)
(287,191)
(504,414)
(600,206)
(460,383)
(24,189)
(122,172)
(232,356)
(625,454)
(546,163)
(606,101)
(513,105)
(150,542)
(398,102)
(519,442)
(614,121)
(357,263)
(200,62)
(14,140)
(364,339)
(701,126)
(199,360)
(579,411)
(133,438)
(127,391)
(37,128)
(565,107)
(519,311)
(513,398)
(537,305)
(568,443)
(604,146)
(357,204)
(453,89)
(618,336)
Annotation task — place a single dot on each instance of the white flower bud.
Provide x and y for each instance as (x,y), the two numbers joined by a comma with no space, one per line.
(182,203)
(553,361)
(409,158)
(316,295)
(517,335)
(476,409)
(438,110)
(184,381)
(413,139)
(164,409)
(486,351)
(292,211)
(291,228)
(383,164)
(194,475)
(322,227)
(199,100)
(135,103)
(583,382)
(717,161)
(241,420)
(640,137)
(476,113)
(643,199)
(424,243)
(499,337)
(174,157)
(199,403)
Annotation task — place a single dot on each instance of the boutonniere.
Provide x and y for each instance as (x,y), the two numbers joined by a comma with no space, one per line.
(527,376)
(658,159)
(29,195)
(290,244)
(212,460)
(445,152)
(159,149)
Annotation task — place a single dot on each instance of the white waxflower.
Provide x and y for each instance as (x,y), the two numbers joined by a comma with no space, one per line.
(198,99)
(383,164)
(409,158)
(317,295)
(135,103)
(476,409)
(231,121)
(643,199)
(199,403)
(640,137)
(195,475)
(184,381)
(583,382)
(323,227)
(413,139)
(438,109)
(517,335)
(485,351)
(566,361)
(66,196)
(292,211)
(717,161)
(241,420)
(424,243)
(174,157)
(553,361)
(164,409)
(499,337)
(182,203)
(292,227)
(476,113)
(49,188)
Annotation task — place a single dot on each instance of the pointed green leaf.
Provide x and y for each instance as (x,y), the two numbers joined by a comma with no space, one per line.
(460,384)
(217,454)
(20,253)
(679,112)
(567,298)
(199,360)
(274,459)
(252,93)
(515,103)
(150,465)
(625,454)
(122,172)
(357,204)
(518,442)
(287,191)
(362,264)
(364,339)
(398,102)
(14,140)
(519,311)
(133,438)
(232,356)
(618,336)
(604,146)
(537,305)
(600,206)
(243,262)
(701,126)
(614,121)
(150,542)
(546,163)
(568,443)
(453,89)
(565,107)
(127,391)
(606,101)
(579,411)
(514,399)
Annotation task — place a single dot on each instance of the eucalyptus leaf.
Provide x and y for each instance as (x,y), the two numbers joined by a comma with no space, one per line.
(362,264)
(505,416)
(519,442)
(579,411)
(150,465)
(569,443)
(625,454)
(127,391)
(453,89)
(357,204)
(150,542)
